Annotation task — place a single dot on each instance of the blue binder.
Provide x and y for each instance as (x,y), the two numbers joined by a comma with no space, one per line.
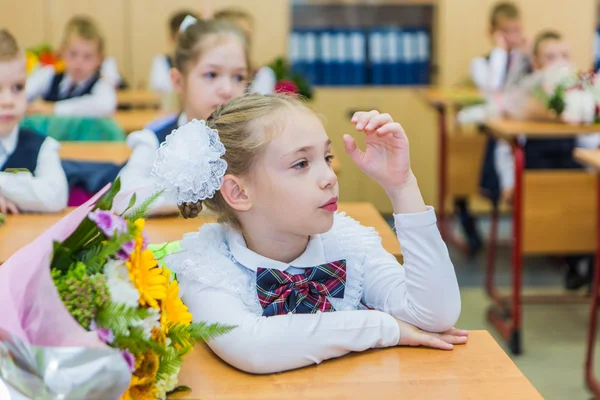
(376,43)
(358,57)
(391,57)
(409,57)
(423,57)
(327,57)
(343,55)
(294,51)
(310,55)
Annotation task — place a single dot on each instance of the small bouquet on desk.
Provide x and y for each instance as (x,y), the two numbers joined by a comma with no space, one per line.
(570,95)
(42,56)
(289,81)
(88,312)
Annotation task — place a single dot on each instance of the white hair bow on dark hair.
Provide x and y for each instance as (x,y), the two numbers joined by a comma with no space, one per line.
(187,22)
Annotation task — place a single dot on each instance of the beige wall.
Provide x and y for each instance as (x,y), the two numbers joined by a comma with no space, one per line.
(462,30)
(136,30)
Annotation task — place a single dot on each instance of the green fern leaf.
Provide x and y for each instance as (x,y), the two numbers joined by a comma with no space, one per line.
(120,318)
(170,364)
(144,208)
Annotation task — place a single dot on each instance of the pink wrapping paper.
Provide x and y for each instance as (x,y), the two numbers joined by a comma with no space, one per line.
(31,307)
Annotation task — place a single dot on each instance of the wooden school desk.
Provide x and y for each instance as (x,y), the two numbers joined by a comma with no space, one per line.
(548,218)
(116,152)
(591,158)
(134,120)
(478,370)
(138,99)
(21,229)
(457,149)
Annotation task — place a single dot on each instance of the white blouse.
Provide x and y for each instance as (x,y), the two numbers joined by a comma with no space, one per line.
(217,274)
(136,175)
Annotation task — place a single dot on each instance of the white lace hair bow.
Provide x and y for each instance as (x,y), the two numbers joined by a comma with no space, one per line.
(188,163)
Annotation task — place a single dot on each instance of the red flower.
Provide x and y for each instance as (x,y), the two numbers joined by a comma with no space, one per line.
(47,58)
(286,86)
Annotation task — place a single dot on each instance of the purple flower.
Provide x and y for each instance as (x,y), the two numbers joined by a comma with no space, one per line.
(108,222)
(126,250)
(129,358)
(105,335)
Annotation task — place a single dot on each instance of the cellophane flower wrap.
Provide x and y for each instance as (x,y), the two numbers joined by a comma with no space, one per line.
(570,95)
(88,311)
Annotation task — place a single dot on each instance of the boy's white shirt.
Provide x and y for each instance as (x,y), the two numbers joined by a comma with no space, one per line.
(101,102)
(46,190)
(490,77)
(217,275)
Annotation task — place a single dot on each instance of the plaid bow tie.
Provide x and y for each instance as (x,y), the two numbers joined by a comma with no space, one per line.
(280,293)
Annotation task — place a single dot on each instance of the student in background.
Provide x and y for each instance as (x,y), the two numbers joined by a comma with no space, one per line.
(264,79)
(210,68)
(502,67)
(41,186)
(160,78)
(79,91)
(549,50)
(508,60)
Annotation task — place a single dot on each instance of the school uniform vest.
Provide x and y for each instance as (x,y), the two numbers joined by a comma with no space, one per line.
(54,94)
(164,128)
(539,154)
(26,153)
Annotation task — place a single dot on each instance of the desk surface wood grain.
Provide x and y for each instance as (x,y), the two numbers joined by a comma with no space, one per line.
(477,370)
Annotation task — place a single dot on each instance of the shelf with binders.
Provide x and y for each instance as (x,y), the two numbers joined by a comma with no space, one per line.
(375,3)
(362,45)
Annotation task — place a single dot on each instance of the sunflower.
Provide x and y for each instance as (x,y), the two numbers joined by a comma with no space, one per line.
(144,272)
(173,309)
(142,386)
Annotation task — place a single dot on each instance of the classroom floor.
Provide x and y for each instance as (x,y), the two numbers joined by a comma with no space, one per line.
(554,336)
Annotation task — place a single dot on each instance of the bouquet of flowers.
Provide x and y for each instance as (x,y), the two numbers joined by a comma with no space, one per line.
(41,56)
(289,81)
(91,283)
(572,96)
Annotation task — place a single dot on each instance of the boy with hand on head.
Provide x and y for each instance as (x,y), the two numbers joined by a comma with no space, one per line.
(509,59)
(43,186)
(503,67)
(79,91)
